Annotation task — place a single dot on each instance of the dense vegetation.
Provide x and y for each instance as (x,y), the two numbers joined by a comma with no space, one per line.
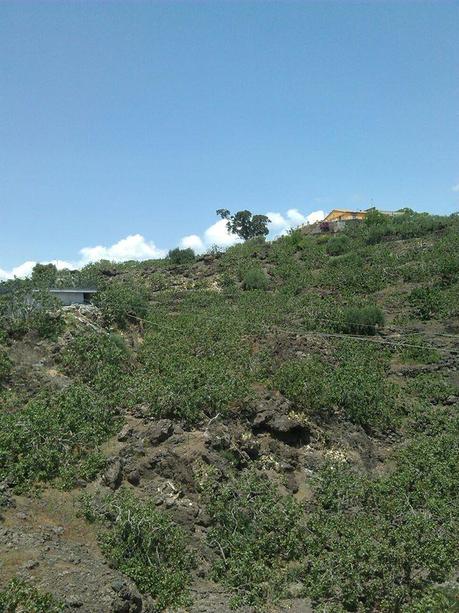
(146,545)
(358,332)
(22,596)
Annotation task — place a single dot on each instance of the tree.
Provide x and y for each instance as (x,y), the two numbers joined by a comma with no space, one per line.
(244,224)
(181,256)
(44,275)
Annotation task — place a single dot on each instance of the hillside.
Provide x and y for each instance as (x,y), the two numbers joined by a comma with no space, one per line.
(274,428)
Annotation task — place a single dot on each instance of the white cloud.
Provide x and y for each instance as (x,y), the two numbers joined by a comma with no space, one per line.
(315,216)
(192,241)
(133,247)
(296,217)
(277,221)
(281,224)
(217,234)
(455,188)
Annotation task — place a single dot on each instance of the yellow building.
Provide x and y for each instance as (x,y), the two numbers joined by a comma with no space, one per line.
(345,215)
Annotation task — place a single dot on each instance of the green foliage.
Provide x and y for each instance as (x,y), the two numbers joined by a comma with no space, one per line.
(244,224)
(256,533)
(146,545)
(305,382)
(87,355)
(407,225)
(255,278)
(357,386)
(181,256)
(52,436)
(338,245)
(417,350)
(100,360)
(20,596)
(195,363)
(363,320)
(25,309)
(5,365)
(426,302)
(121,302)
(361,388)
(379,544)
(430,386)
(44,275)
(435,600)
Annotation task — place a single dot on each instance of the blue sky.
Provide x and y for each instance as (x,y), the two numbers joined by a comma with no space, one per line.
(140,119)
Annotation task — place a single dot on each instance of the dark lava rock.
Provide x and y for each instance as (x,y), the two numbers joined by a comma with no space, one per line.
(133,477)
(125,433)
(160,430)
(113,475)
(218,438)
(282,427)
(251,447)
(127,600)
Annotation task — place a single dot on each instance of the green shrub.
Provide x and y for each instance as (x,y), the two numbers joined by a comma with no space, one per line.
(430,386)
(381,544)
(52,436)
(181,256)
(338,245)
(304,382)
(146,545)
(20,596)
(121,302)
(256,533)
(255,279)
(5,365)
(426,302)
(87,355)
(47,324)
(102,361)
(44,275)
(363,320)
(360,386)
(416,350)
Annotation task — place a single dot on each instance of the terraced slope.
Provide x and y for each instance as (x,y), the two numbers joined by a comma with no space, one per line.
(270,428)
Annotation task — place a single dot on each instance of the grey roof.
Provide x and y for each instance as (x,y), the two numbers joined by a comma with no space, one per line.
(72,290)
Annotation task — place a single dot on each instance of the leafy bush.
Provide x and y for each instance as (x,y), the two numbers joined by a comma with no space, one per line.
(22,597)
(5,365)
(382,543)
(338,245)
(122,301)
(360,386)
(417,350)
(304,382)
(255,279)
(86,355)
(256,533)
(363,320)
(426,302)
(44,275)
(52,436)
(102,361)
(47,324)
(357,386)
(181,256)
(146,545)
(430,386)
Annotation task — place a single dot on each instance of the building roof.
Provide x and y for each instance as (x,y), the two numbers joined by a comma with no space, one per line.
(72,290)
